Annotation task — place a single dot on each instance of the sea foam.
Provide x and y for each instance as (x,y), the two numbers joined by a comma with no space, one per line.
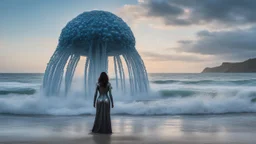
(228,94)
(77,104)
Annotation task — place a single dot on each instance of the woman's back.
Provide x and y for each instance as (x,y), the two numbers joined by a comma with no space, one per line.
(103,90)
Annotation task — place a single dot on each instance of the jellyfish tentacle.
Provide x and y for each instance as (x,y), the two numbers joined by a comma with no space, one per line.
(104,58)
(87,69)
(97,60)
(135,73)
(51,70)
(58,74)
(48,69)
(121,71)
(70,71)
(116,74)
(130,73)
(143,71)
(90,67)
(85,74)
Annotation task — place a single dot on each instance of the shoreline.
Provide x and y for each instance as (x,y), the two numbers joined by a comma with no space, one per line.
(132,115)
(232,128)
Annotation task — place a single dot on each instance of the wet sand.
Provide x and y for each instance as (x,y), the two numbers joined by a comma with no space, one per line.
(206,129)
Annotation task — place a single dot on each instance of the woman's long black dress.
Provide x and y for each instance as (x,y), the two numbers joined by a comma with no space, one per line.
(102,122)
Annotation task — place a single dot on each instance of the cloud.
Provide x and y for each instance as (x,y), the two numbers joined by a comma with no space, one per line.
(203,33)
(194,12)
(185,41)
(169,56)
(235,44)
(163,8)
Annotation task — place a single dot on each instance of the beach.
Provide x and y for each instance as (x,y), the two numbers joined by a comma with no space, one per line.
(150,71)
(229,128)
(179,108)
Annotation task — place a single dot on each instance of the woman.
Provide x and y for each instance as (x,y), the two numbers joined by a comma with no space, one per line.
(102,122)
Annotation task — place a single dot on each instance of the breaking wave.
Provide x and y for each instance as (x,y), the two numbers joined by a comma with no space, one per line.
(20,91)
(200,82)
(167,97)
(76,104)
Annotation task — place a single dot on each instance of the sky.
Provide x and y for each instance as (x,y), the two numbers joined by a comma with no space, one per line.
(172,36)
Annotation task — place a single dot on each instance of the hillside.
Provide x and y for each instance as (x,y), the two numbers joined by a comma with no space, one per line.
(248,66)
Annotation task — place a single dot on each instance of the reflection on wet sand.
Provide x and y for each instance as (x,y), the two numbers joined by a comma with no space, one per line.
(203,129)
(101,138)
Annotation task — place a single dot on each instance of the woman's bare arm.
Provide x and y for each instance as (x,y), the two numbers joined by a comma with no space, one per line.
(110,95)
(95,96)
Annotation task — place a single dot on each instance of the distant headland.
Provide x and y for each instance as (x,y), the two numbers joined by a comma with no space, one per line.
(248,66)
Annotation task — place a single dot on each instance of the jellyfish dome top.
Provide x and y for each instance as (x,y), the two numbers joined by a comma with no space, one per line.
(97,35)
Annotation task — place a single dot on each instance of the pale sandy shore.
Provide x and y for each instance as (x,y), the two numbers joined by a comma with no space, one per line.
(198,129)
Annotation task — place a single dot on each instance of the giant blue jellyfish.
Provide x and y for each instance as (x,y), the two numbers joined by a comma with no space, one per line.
(97,35)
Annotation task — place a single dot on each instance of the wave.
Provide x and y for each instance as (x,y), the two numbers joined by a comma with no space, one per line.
(20,91)
(181,97)
(172,93)
(76,104)
(186,92)
(237,82)
(165,81)
(18,88)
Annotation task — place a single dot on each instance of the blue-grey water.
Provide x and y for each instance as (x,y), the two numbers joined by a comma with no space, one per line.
(170,94)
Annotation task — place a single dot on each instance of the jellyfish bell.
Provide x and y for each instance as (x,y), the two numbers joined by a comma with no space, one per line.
(90,28)
(97,35)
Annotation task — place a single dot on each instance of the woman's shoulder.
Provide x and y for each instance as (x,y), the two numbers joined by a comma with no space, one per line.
(109,85)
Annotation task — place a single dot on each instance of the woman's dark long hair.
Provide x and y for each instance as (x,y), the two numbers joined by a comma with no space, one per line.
(103,79)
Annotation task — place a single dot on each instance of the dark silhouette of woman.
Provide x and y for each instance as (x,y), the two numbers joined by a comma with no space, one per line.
(102,122)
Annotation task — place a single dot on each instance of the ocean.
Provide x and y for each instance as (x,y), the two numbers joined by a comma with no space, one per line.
(170,94)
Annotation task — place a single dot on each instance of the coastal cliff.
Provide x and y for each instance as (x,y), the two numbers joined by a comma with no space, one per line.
(248,66)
